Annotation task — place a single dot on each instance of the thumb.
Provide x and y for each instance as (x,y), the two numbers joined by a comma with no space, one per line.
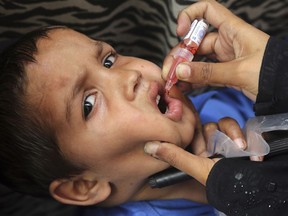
(222,74)
(196,166)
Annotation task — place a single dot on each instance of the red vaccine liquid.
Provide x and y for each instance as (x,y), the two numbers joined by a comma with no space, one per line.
(187,49)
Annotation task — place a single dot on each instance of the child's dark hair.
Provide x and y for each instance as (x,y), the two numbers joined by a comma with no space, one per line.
(30,158)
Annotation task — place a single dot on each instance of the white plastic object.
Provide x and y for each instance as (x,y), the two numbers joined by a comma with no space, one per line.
(220,143)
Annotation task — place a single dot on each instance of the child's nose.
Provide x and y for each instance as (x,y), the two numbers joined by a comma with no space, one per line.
(129,80)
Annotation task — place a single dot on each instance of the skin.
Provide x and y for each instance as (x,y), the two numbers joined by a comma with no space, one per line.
(109,142)
(239,48)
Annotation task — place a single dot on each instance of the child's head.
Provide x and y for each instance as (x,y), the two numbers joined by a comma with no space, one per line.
(75,117)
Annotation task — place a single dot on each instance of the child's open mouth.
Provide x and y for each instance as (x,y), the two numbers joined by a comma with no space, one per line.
(169,106)
(162,105)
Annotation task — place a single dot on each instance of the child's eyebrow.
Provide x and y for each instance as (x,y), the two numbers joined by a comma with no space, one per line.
(99,48)
(76,87)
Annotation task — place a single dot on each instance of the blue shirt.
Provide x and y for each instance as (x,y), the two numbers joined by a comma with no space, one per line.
(224,102)
(179,207)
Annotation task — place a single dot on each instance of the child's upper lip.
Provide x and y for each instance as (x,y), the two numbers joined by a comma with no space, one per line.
(155,90)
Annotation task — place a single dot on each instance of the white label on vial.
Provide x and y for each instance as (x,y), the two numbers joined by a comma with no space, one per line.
(197,31)
(192,27)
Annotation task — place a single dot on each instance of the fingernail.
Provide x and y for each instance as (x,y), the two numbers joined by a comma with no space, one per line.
(183,71)
(240,143)
(256,158)
(151,148)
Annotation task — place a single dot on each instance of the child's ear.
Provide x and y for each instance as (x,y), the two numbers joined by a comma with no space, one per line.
(80,191)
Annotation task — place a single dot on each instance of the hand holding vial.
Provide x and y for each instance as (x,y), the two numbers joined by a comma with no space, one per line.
(187,49)
(237,48)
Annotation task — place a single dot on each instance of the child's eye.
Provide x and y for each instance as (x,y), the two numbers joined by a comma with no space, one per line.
(109,60)
(88,104)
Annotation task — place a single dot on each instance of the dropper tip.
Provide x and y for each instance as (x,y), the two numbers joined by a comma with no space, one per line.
(168,86)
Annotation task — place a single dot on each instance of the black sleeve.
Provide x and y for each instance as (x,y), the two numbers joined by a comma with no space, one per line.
(243,187)
(272,97)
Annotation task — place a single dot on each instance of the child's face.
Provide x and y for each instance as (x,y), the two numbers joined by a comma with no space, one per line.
(103,108)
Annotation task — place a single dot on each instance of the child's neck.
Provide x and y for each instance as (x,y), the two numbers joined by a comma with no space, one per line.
(191,190)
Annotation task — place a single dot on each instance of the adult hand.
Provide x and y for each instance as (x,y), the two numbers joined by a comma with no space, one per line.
(237,46)
(197,165)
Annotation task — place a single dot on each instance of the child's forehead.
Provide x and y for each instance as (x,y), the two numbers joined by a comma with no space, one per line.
(63,37)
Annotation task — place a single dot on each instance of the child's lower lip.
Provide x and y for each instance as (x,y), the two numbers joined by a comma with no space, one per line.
(175,108)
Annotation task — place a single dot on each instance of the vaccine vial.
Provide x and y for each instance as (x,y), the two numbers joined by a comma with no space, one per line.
(188,48)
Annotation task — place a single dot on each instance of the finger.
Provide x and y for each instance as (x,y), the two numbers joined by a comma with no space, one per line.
(184,22)
(217,74)
(208,130)
(209,48)
(198,145)
(204,9)
(207,45)
(197,167)
(256,158)
(232,129)
(206,48)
